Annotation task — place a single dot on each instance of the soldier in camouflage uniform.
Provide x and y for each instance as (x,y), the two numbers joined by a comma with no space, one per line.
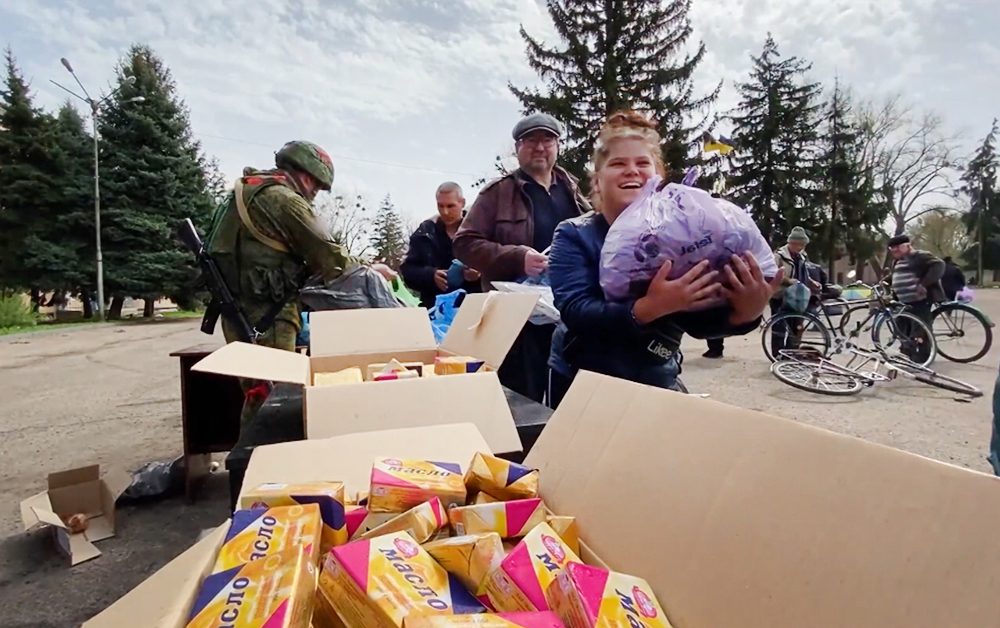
(267,242)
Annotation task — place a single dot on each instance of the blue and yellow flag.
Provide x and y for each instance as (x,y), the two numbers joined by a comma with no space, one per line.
(723,145)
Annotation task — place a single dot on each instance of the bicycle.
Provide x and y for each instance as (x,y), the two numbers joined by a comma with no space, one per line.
(807,330)
(806,370)
(962,333)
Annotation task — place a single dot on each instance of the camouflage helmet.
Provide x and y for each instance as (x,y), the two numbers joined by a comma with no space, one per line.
(309,158)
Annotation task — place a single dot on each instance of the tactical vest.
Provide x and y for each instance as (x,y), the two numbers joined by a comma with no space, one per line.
(257,268)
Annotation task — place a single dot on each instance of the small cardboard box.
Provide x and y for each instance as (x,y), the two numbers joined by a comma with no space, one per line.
(77,491)
(485,327)
(733,517)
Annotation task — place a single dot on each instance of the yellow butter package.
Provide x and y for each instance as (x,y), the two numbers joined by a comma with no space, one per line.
(394,366)
(483,498)
(591,597)
(361,520)
(421,522)
(508,519)
(545,619)
(519,583)
(500,478)
(277,591)
(398,485)
(456,365)
(469,558)
(377,583)
(350,375)
(329,496)
(324,614)
(255,534)
(567,530)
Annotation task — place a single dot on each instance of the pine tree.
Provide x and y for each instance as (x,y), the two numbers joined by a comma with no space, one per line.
(846,189)
(614,55)
(389,238)
(26,181)
(774,166)
(983,219)
(153,176)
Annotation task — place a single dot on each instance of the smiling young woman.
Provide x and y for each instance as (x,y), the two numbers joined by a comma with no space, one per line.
(638,339)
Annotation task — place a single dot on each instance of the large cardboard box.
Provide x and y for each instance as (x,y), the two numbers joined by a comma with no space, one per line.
(485,327)
(735,518)
(77,491)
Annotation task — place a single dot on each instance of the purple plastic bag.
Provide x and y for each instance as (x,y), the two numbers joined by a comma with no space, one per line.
(680,223)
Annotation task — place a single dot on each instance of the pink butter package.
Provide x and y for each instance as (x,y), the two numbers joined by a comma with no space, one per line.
(508,519)
(519,583)
(591,597)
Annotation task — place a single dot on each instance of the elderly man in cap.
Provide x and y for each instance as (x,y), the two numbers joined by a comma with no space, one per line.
(790,258)
(916,280)
(508,231)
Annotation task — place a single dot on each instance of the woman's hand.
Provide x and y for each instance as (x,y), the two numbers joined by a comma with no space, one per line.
(684,293)
(749,291)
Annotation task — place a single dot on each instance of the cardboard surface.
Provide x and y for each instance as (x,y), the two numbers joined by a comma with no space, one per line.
(345,332)
(737,518)
(77,491)
(487,325)
(337,410)
(349,458)
(164,599)
(246,360)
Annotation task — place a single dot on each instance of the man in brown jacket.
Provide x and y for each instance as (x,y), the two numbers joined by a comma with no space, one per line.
(509,229)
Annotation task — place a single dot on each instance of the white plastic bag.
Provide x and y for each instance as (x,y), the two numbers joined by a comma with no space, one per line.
(679,223)
(545,312)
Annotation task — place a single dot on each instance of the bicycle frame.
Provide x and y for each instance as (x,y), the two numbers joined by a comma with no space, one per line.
(876,357)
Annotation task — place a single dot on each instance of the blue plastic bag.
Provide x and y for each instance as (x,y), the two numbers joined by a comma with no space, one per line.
(442,315)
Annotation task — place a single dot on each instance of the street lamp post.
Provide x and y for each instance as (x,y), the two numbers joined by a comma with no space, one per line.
(95,106)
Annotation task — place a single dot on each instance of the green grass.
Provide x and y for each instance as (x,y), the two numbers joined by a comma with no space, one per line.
(42,325)
(182,314)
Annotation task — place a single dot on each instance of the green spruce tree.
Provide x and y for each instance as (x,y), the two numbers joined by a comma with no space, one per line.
(153,176)
(774,167)
(983,219)
(389,239)
(615,55)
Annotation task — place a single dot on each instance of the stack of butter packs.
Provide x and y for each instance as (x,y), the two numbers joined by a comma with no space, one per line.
(394,369)
(390,560)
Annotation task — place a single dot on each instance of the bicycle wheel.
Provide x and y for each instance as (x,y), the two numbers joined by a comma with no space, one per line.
(948,383)
(961,332)
(907,335)
(856,313)
(816,378)
(794,331)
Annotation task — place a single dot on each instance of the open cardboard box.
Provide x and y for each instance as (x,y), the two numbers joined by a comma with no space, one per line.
(77,491)
(735,518)
(485,327)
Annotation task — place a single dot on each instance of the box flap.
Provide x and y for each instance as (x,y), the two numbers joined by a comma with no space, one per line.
(80,549)
(245,360)
(349,458)
(164,599)
(737,518)
(30,505)
(117,480)
(45,515)
(72,477)
(479,399)
(487,325)
(100,528)
(344,332)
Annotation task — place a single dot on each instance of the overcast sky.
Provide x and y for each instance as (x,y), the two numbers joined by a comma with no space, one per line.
(383,84)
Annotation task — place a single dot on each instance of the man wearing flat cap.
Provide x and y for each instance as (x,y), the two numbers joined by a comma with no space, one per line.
(508,231)
(916,280)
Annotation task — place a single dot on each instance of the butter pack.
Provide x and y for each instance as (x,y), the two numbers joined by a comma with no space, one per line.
(398,485)
(277,591)
(395,366)
(469,558)
(519,583)
(588,597)
(421,522)
(544,619)
(484,498)
(350,375)
(567,530)
(508,519)
(456,365)
(258,533)
(324,615)
(377,583)
(329,496)
(360,520)
(500,478)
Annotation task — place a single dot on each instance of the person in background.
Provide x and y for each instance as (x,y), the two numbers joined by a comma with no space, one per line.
(794,263)
(429,257)
(916,281)
(716,346)
(953,279)
(637,340)
(508,230)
